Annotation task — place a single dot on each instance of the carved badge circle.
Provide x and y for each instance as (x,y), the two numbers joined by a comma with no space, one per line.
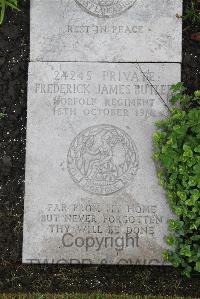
(102,159)
(105,8)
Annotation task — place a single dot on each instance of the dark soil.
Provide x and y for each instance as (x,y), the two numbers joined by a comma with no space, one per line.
(15,277)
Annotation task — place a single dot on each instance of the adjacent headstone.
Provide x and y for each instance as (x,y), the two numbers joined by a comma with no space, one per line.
(106,30)
(92,194)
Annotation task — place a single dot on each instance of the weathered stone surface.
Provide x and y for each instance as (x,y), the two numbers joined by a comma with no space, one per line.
(114,31)
(92,194)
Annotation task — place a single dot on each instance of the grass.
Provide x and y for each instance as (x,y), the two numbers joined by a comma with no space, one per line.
(4,4)
(81,296)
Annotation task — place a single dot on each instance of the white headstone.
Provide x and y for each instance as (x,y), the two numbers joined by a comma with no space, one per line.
(92,194)
(106,30)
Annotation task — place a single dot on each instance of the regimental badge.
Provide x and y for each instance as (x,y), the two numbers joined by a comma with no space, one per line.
(102,159)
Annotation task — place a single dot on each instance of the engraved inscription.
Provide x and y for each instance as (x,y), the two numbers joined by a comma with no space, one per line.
(107,93)
(105,8)
(102,159)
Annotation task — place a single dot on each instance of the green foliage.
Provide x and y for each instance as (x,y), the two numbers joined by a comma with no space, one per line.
(193,12)
(2,115)
(4,4)
(177,152)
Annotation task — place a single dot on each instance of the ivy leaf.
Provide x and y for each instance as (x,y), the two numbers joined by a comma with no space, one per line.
(194,117)
(171,240)
(175,225)
(188,153)
(182,195)
(166,255)
(187,272)
(197,93)
(185,250)
(180,87)
(197,149)
(196,169)
(195,194)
